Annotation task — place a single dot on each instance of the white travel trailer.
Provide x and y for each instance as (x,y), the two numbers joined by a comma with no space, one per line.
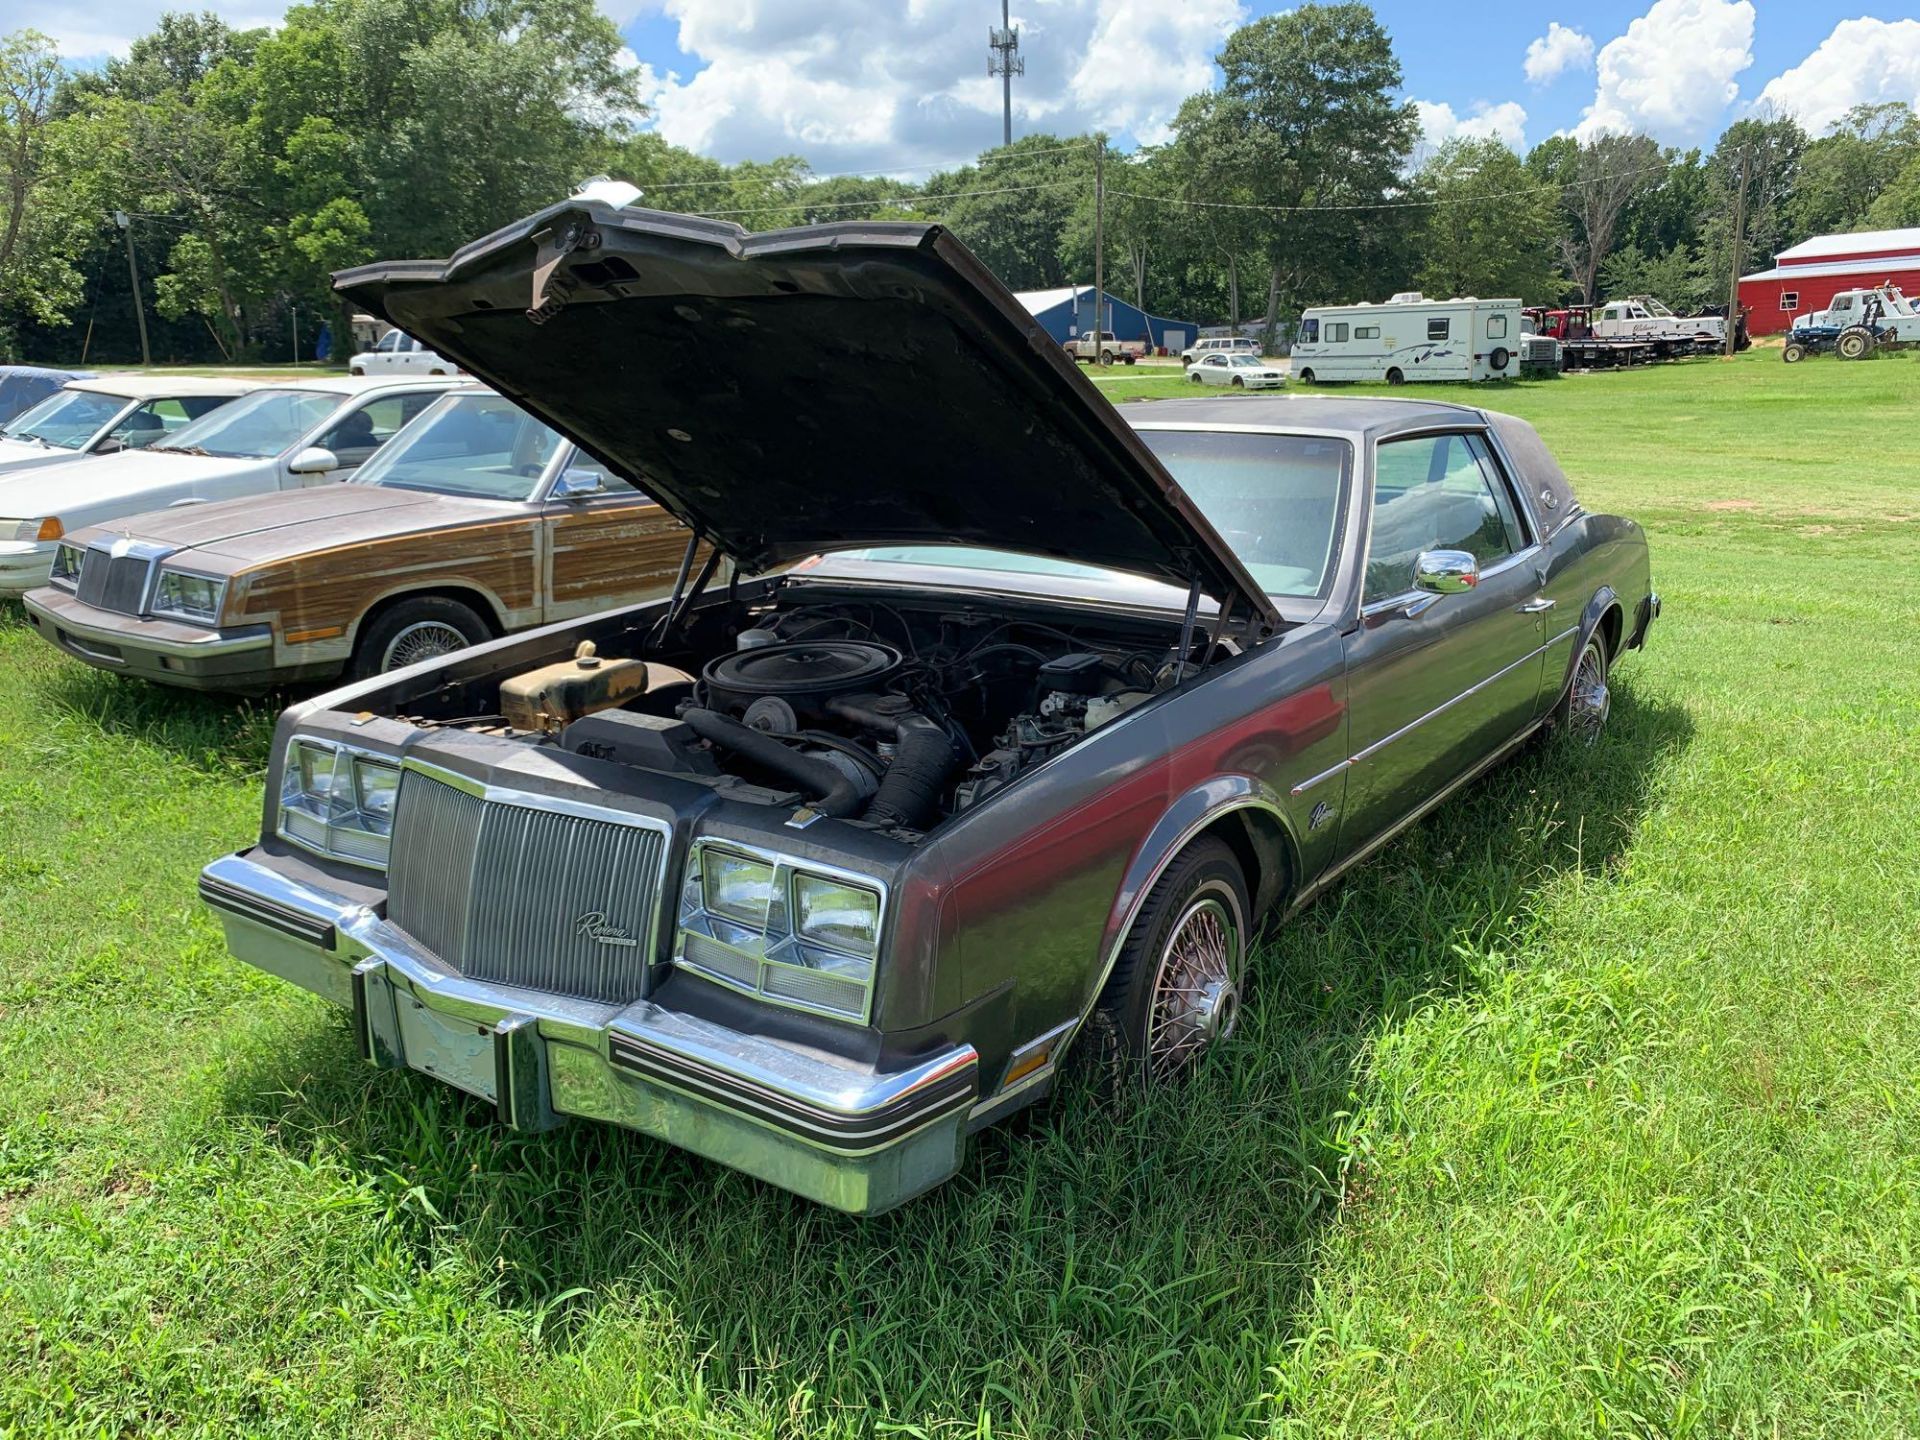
(1409,338)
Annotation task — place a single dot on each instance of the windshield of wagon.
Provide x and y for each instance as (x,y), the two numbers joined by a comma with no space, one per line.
(254,427)
(1277,501)
(68,419)
(480,446)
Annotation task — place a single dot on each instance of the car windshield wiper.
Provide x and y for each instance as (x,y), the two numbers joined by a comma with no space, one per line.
(181,449)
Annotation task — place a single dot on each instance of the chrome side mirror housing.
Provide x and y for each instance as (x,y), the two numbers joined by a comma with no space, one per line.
(1445,572)
(577,485)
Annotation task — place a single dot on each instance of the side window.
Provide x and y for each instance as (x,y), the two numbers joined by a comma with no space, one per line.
(1366,332)
(147,423)
(390,342)
(1439,329)
(1336,332)
(1435,493)
(1496,327)
(355,437)
(1310,331)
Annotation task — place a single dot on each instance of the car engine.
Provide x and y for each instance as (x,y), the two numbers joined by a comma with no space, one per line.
(884,716)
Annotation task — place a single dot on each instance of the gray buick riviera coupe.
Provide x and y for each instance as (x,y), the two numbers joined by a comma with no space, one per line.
(1034,709)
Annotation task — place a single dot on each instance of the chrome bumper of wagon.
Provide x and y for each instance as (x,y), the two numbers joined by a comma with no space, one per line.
(845,1135)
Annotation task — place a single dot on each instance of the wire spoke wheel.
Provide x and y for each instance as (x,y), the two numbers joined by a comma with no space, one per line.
(1590,699)
(1196,986)
(423,640)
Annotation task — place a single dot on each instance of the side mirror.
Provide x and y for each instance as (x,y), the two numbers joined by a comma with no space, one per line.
(314,460)
(112,445)
(1445,572)
(577,485)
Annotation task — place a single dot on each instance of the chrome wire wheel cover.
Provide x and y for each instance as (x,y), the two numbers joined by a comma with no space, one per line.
(422,640)
(1591,700)
(1196,985)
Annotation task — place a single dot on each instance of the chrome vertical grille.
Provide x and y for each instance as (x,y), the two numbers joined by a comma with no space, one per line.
(115,582)
(545,898)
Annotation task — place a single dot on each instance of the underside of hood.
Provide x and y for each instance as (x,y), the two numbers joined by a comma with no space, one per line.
(807,390)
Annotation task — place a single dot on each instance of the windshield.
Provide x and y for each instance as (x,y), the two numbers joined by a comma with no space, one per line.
(478,445)
(68,419)
(254,427)
(1275,499)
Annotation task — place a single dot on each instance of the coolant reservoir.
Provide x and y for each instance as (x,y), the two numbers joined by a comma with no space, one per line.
(553,697)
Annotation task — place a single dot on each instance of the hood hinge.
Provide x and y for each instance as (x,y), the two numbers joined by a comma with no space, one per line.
(552,245)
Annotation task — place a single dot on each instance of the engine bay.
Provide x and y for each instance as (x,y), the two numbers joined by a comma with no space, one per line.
(886,715)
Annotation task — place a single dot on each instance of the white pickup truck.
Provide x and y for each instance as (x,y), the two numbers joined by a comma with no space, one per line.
(1109,349)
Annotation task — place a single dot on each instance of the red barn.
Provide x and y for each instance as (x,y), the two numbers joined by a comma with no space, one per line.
(1811,273)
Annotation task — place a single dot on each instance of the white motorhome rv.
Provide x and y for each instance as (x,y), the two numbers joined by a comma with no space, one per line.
(1409,338)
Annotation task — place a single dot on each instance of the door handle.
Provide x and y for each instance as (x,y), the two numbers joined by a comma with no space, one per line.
(1539,605)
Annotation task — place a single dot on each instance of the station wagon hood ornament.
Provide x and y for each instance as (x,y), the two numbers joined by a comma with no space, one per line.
(807,390)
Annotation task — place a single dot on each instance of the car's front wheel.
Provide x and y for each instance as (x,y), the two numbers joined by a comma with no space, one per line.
(421,627)
(1175,990)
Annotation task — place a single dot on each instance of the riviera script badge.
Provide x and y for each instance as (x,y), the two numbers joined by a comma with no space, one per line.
(593,925)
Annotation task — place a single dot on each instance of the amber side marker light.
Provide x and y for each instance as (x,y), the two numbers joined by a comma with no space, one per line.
(51,529)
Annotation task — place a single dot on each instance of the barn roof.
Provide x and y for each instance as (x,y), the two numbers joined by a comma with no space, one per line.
(1840,247)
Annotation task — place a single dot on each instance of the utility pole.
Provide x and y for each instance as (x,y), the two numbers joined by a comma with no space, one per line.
(125,222)
(1099,241)
(1004,59)
(1739,244)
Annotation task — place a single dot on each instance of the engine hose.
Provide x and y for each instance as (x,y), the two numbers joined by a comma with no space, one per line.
(831,792)
(923,757)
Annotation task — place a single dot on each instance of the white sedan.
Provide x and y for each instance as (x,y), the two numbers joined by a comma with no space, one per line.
(107,414)
(278,437)
(1242,372)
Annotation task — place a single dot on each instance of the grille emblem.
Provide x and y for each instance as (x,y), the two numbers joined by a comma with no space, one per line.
(593,926)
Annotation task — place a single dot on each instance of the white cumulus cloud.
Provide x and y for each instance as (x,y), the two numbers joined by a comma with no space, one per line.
(1674,73)
(1863,62)
(1561,49)
(1506,121)
(856,86)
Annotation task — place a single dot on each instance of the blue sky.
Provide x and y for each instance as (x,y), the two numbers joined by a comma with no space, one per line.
(900,86)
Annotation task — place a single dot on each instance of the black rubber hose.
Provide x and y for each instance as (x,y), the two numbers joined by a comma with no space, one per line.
(831,792)
(923,757)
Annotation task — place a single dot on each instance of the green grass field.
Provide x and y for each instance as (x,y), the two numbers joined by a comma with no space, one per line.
(1588,1108)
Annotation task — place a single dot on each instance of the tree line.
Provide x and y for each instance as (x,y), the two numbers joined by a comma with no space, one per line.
(250,164)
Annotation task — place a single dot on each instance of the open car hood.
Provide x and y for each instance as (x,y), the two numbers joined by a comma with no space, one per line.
(807,390)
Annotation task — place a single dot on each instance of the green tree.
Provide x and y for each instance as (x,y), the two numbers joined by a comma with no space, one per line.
(1307,111)
(1490,229)
(1767,151)
(1602,179)
(1844,172)
(1014,206)
(1898,204)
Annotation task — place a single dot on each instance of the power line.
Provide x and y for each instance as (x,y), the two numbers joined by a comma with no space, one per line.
(911,201)
(1386,204)
(812,179)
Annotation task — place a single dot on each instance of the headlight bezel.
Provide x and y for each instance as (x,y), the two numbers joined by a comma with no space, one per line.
(34,528)
(216,590)
(69,580)
(335,821)
(777,960)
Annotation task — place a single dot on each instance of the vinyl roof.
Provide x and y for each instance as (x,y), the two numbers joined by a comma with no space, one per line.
(1355,415)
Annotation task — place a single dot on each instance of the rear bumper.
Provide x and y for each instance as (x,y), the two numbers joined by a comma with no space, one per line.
(159,650)
(849,1136)
(1647,613)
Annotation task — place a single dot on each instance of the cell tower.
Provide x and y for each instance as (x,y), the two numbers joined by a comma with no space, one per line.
(1004,59)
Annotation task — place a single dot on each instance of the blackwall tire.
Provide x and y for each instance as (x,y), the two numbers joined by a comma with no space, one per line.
(1500,358)
(1175,991)
(419,627)
(1396,376)
(1306,376)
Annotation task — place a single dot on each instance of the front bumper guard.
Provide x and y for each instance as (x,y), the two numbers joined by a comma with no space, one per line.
(846,1135)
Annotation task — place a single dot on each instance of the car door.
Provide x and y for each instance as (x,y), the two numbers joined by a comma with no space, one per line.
(1437,682)
(604,548)
(1213,370)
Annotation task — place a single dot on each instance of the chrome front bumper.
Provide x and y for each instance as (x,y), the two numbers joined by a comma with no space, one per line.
(168,651)
(837,1132)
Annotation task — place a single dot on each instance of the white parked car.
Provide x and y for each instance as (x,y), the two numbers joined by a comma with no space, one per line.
(1220,345)
(277,437)
(108,414)
(1242,372)
(398,353)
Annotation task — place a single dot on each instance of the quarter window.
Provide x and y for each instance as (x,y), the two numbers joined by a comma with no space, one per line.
(1439,492)
(1496,327)
(1336,332)
(1439,329)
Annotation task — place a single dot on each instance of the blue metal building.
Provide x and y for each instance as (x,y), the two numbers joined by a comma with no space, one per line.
(1068,312)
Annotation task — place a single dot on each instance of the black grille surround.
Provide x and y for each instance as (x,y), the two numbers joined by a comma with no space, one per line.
(524,891)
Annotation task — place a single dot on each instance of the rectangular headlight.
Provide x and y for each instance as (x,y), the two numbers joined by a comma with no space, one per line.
(338,801)
(67,560)
(182,595)
(46,527)
(790,931)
